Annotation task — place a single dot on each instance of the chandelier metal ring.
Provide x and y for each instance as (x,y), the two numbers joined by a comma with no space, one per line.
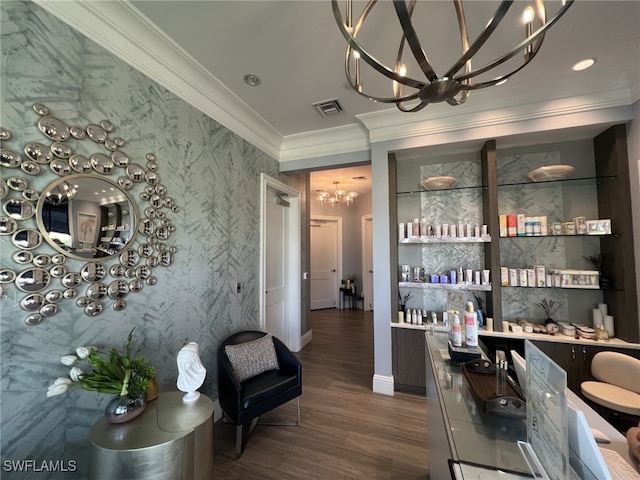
(455,85)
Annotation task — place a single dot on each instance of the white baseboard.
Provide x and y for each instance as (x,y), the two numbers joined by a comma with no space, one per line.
(306,339)
(382,384)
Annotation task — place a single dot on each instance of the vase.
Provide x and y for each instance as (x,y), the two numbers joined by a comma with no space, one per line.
(123,408)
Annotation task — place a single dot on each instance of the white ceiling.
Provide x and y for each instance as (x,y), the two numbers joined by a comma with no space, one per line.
(298,51)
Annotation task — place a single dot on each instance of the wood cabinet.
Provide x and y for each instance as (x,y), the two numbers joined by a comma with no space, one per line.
(408,350)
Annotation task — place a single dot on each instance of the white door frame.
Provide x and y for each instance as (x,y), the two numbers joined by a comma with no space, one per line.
(293,305)
(338,220)
(365,275)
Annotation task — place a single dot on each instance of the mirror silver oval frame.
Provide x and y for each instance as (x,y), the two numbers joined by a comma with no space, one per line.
(120,229)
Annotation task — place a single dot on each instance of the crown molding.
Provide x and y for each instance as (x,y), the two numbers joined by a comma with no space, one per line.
(331,141)
(125,32)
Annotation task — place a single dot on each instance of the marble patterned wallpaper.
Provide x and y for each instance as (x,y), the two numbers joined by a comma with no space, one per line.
(214,177)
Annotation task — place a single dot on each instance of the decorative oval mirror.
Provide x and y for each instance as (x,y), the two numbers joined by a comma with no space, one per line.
(54,129)
(135,172)
(58,271)
(93,309)
(22,257)
(31,168)
(27,239)
(97,291)
(34,319)
(70,293)
(86,217)
(89,223)
(7,276)
(42,260)
(33,280)
(7,226)
(93,272)
(61,150)
(31,195)
(18,208)
(32,302)
(18,184)
(38,153)
(49,309)
(80,163)
(102,164)
(54,296)
(71,280)
(60,167)
(118,289)
(9,158)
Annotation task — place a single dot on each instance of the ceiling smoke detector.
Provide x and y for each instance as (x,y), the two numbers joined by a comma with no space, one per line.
(328,107)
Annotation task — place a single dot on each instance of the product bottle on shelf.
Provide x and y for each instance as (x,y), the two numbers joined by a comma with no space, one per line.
(471,326)
(456,338)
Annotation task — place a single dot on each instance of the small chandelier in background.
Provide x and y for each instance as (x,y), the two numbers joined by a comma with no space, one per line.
(61,194)
(455,85)
(339,196)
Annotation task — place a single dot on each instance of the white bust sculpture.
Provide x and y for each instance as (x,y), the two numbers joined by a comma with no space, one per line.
(191,372)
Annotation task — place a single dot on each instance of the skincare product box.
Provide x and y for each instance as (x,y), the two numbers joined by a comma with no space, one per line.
(512,225)
(504,276)
(520,228)
(503,225)
(540,276)
(579,278)
(522,277)
(531,277)
(513,277)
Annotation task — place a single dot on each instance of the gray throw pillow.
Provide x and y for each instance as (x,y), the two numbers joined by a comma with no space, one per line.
(252,358)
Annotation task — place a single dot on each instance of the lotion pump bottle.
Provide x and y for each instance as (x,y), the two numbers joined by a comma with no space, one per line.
(471,326)
(456,339)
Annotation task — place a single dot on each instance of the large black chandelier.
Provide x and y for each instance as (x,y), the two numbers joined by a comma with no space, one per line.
(457,82)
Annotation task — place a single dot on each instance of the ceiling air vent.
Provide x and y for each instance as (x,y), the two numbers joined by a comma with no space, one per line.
(328,107)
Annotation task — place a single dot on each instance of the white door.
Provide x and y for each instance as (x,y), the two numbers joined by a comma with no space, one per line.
(367,261)
(325,262)
(280,276)
(276,249)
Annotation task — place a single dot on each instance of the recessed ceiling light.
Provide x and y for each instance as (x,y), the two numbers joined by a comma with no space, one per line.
(251,79)
(583,64)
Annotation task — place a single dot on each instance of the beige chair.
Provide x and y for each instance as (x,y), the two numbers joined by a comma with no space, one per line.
(617,385)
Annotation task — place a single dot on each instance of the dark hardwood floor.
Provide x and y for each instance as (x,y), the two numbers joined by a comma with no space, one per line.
(346,431)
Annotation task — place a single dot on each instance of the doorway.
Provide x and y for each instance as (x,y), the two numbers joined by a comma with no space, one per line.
(367,261)
(280,288)
(326,261)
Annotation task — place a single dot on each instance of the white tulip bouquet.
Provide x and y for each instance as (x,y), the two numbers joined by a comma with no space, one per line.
(112,373)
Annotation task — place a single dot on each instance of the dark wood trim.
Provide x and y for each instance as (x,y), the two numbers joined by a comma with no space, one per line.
(489,164)
(393,231)
(614,194)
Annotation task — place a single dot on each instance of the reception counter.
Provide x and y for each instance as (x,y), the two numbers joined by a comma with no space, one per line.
(463,441)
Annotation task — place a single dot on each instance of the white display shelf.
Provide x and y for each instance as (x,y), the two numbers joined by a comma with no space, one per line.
(445,286)
(485,239)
